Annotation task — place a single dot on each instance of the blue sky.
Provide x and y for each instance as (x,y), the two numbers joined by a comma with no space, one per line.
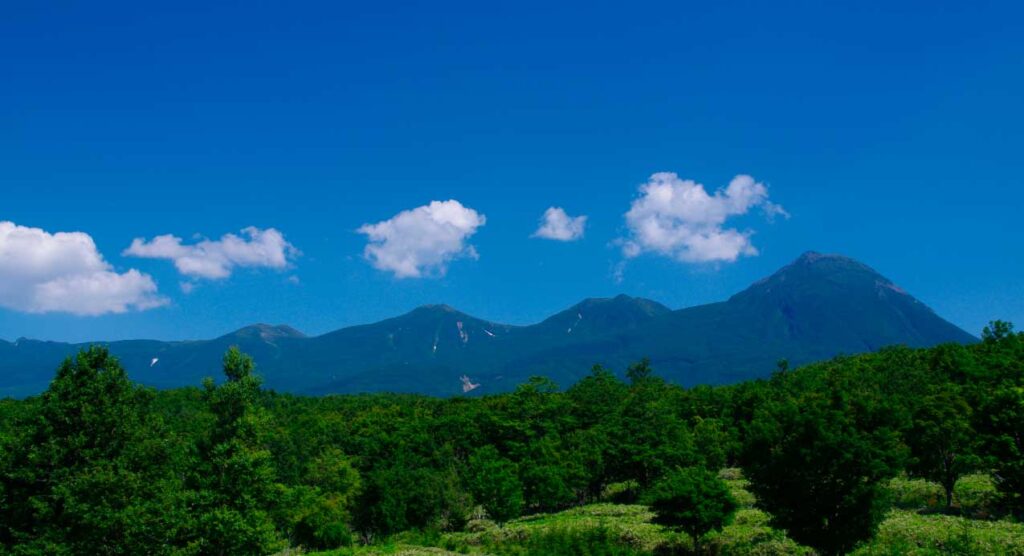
(890,133)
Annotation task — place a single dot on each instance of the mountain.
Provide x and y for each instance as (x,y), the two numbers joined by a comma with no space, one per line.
(817,307)
(596,316)
(425,350)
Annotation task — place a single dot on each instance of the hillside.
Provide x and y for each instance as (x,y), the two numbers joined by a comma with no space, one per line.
(628,529)
(845,456)
(812,309)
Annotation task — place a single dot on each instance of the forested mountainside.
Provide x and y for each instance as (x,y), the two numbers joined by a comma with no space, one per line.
(817,457)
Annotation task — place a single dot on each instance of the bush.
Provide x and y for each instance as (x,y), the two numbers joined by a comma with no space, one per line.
(693,500)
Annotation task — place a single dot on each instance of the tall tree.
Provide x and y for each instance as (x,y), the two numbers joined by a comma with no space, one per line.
(648,437)
(237,486)
(316,513)
(494,484)
(1002,420)
(817,472)
(942,441)
(90,471)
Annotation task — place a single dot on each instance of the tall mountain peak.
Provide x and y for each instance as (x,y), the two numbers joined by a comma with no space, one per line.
(809,257)
(814,259)
(813,267)
(834,300)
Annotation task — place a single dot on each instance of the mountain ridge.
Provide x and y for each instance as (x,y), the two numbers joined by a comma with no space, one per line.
(816,307)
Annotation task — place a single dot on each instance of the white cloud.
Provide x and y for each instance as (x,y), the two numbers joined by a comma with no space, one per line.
(218,259)
(678,218)
(557,225)
(42,272)
(423,240)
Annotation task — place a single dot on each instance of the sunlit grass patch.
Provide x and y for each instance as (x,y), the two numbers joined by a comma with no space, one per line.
(608,529)
(750,533)
(974,495)
(733,478)
(389,549)
(905,532)
(626,524)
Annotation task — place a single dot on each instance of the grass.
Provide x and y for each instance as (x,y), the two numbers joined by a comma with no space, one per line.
(610,529)
(905,532)
(973,496)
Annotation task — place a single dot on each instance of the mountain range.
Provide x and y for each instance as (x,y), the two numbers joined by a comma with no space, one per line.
(815,308)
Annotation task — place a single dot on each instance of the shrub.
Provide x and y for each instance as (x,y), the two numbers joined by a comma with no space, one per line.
(693,500)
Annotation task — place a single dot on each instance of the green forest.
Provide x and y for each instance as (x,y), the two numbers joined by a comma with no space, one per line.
(894,452)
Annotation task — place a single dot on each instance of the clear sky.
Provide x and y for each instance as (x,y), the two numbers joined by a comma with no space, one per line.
(891,132)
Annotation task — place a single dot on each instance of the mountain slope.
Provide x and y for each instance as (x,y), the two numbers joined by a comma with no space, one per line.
(425,350)
(597,316)
(814,308)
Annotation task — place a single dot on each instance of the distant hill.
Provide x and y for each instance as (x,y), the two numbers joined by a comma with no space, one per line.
(817,307)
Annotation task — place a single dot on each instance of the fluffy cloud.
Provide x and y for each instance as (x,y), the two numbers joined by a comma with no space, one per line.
(423,240)
(42,272)
(557,225)
(217,259)
(679,219)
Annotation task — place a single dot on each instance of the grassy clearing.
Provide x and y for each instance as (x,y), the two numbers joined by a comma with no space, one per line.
(905,532)
(609,529)
(973,496)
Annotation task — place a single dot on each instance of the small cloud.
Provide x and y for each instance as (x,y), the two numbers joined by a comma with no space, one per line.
(63,272)
(293,279)
(559,226)
(619,272)
(187,287)
(677,218)
(218,259)
(422,241)
(772,211)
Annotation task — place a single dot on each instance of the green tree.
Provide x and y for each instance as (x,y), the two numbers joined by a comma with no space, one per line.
(332,472)
(1002,419)
(711,442)
(941,441)
(494,484)
(585,461)
(648,437)
(237,486)
(997,331)
(317,512)
(408,493)
(596,396)
(640,371)
(817,472)
(693,500)
(90,470)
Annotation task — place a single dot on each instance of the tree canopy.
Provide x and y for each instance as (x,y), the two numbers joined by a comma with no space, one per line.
(99,465)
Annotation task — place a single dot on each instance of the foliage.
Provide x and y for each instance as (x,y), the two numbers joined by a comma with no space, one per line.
(493,482)
(236,480)
(942,440)
(91,464)
(818,471)
(693,500)
(910,533)
(99,465)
